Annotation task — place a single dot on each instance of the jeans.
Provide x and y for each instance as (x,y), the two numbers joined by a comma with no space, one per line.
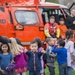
(69,71)
(34,73)
(51,70)
(63,69)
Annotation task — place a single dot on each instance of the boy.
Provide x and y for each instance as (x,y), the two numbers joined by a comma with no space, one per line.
(34,61)
(63,28)
(61,56)
(50,56)
(52,29)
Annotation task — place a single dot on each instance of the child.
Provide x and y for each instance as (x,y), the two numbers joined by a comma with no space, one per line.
(20,57)
(40,49)
(69,45)
(61,56)
(52,29)
(34,61)
(73,65)
(63,28)
(5,58)
(50,56)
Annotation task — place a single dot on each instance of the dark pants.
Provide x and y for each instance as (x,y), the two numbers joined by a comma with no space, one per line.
(63,69)
(34,73)
(69,71)
(51,70)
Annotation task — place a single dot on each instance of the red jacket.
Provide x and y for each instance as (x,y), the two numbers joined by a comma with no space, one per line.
(52,30)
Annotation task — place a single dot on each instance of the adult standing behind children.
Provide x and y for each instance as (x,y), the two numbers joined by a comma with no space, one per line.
(50,56)
(52,29)
(70,22)
(69,45)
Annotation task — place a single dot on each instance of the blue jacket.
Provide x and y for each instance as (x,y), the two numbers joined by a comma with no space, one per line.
(31,60)
(61,54)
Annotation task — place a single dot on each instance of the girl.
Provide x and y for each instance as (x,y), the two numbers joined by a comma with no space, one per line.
(5,58)
(20,57)
(69,45)
(40,49)
(73,65)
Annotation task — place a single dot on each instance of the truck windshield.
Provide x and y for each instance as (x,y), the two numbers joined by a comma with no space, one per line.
(24,17)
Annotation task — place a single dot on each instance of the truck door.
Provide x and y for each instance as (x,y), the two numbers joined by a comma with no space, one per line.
(6,27)
(27,24)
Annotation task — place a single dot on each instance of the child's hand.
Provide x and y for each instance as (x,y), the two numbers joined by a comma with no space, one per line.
(2,71)
(72,61)
(43,51)
(12,61)
(25,50)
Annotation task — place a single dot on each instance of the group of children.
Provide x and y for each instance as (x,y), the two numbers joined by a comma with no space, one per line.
(12,52)
(64,49)
(33,60)
(52,29)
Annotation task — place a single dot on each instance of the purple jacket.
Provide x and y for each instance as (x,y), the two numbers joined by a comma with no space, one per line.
(21,60)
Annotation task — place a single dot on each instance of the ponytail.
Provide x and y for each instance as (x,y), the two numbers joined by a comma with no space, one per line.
(69,34)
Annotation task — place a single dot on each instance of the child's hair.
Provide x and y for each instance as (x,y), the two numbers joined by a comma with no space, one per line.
(9,41)
(7,46)
(69,34)
(34,42)
(6,40)
(2,39)
(52,17)
(38,41)
(16,49)
(18,41)
(48,39)
(61,19)
(61,42)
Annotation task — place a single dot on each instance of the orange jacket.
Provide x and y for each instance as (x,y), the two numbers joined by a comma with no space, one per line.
(51,29)
(63,30)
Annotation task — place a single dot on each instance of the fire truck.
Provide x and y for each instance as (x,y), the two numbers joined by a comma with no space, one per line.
(25,19)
